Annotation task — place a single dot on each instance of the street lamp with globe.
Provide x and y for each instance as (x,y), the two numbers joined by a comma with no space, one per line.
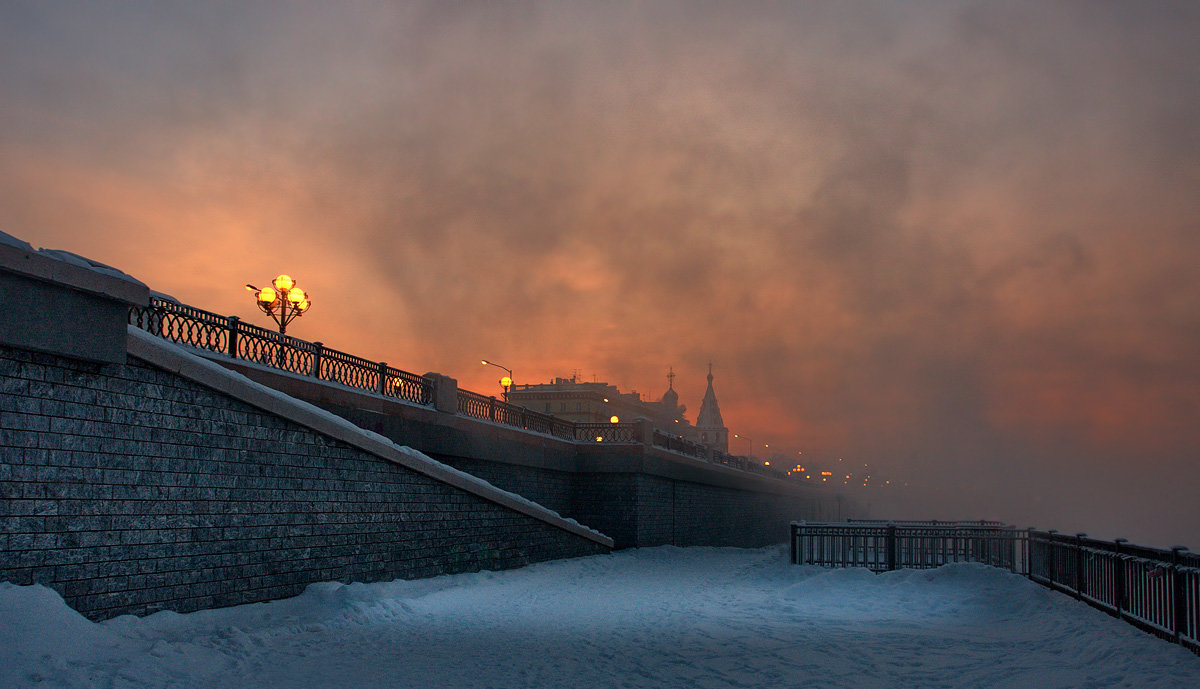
(283,301)
(505,381)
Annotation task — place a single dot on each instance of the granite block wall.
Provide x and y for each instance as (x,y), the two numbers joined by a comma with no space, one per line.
(547,487)
(129,489)
(608,503)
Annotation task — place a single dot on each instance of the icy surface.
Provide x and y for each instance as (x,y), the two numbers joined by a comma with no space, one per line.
(662,617)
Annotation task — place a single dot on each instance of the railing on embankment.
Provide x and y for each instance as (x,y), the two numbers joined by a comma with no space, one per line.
(230,336)
(1156,590)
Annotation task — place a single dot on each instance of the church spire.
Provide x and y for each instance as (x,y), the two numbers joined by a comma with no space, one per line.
(709,422)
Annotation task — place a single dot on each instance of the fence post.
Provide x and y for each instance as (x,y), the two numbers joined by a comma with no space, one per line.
(1119,577)
(318,352)
(233,336)
(492,408)
(1027,553)
(1079,578)
(445,392)
(795,543)
(1178,594)
(891,546)
(382,378)
(1052,556)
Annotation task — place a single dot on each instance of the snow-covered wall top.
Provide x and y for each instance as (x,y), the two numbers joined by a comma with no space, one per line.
(73,270)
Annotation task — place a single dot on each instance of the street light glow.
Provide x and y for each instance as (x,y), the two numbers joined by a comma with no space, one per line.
(283,301)
(505,382)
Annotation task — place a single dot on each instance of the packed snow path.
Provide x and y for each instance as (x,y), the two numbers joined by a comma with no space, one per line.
(662,617)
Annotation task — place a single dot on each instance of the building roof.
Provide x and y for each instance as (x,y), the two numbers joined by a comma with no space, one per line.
(710,411)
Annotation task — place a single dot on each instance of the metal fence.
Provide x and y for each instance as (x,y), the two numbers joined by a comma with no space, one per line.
(230,336)
(606,432)
(1155,590)
(679,444)
(906,545)
(478,406)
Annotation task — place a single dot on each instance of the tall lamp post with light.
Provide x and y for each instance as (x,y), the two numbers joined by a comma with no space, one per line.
(506,381)
(283,301)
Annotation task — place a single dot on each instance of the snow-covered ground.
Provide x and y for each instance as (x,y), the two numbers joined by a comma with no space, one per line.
(661,617)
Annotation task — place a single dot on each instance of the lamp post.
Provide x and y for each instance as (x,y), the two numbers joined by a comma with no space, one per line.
(505,382)
(283,301)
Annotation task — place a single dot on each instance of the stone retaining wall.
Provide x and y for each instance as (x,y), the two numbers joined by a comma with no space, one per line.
(130,489)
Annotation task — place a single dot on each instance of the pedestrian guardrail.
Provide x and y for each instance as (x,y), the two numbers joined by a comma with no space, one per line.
(1156,590)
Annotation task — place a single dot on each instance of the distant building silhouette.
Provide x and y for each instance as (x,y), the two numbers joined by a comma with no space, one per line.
(574,400)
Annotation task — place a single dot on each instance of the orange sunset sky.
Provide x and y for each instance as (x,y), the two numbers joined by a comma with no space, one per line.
(958,241)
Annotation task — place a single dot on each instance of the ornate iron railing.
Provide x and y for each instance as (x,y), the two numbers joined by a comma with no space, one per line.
(478,406)
(683,446)
(229,336)
(1153,589)
(606,433)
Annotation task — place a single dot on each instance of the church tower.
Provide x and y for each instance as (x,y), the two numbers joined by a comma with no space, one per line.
(710,427)
(670,412)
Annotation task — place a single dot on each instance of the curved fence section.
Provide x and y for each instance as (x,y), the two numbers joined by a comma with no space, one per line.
(1157,590)
(1153,589)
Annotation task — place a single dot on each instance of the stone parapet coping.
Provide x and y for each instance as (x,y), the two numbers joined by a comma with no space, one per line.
(176,359)
(52,267)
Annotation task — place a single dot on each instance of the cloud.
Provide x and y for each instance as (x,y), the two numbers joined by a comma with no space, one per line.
(954,240)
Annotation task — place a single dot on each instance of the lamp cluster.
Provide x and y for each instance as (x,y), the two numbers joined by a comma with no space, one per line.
(283,301)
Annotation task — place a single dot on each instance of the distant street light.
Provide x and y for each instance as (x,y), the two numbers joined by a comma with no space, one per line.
(283,301)
(506,381)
